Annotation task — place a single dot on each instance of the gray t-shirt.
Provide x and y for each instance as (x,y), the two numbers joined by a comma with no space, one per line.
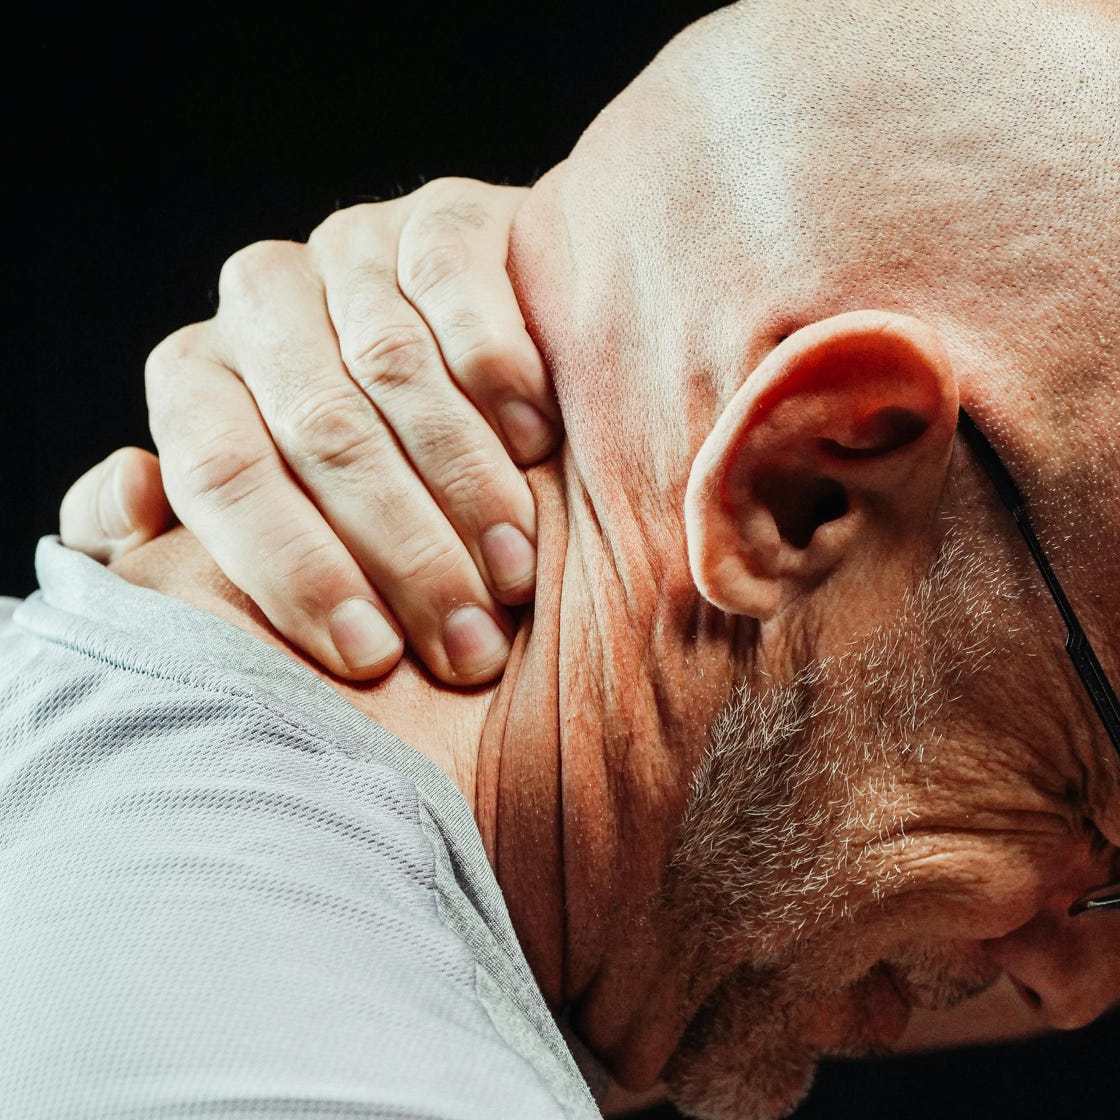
(224,892)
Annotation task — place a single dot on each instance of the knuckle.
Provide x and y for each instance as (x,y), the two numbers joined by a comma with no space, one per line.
(191,341)
(441,187)
(428,562)
(356,232)
(244,274)
(308,572)
(434,266)
(324,429)
(487,358)
(452,202)
(335,228)
(369,290)
(465,477)
(392,359)
(433,196)
(220,472)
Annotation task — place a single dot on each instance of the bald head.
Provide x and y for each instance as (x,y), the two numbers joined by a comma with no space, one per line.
(957,162)
(932,158)
(780,163)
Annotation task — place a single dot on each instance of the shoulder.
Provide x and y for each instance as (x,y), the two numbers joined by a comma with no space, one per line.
(222,877)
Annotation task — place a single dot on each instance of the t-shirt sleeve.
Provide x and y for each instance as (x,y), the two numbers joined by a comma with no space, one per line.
(209,911)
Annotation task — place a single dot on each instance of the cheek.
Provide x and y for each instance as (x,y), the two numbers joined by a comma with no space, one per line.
(988,838)
(977,884)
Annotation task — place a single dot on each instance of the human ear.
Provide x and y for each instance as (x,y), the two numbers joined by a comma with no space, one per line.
(827,465)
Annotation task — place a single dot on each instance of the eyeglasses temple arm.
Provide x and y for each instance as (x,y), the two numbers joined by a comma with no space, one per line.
(1078,646)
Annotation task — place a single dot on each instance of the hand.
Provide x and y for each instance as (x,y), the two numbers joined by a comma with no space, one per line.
(342,435)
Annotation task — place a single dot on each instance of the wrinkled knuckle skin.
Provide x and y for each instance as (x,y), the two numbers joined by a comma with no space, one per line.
(325,429)
(220,473)
(426,564)
(469,481)
(309,573)
(466,474)
(393,359)
(244,275)
(439,263)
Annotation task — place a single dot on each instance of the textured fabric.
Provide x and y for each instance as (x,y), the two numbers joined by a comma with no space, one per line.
(224,892)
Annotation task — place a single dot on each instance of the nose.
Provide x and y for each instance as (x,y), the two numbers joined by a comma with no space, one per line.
(1068,969)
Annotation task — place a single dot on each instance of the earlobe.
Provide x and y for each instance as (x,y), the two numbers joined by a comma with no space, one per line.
(830,459)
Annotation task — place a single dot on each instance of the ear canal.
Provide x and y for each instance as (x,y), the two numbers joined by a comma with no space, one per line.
(802,500)
(800,506)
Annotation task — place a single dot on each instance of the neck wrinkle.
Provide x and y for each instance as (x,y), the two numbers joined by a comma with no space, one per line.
(518,792)
(585,762)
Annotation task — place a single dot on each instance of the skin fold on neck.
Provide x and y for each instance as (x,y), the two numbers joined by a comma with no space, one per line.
(499,744)
(575,764)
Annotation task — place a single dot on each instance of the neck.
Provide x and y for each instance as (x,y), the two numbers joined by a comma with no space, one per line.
(587,755)
(441,723)
(576,764)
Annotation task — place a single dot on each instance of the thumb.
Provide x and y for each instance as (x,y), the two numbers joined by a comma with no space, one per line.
(115,506)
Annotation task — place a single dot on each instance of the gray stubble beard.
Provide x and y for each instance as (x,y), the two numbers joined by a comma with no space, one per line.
(772,867)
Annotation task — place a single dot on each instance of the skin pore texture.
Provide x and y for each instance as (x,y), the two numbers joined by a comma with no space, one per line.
(788,744)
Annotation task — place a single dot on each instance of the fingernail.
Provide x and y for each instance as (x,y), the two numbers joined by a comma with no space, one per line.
(473,642)
(510,558)
(529,433)
(361,635)
(110,508)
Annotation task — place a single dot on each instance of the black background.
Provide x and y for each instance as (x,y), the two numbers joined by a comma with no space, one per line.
(144,148)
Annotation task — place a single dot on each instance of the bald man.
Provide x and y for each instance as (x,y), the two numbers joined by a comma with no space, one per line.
(787,745)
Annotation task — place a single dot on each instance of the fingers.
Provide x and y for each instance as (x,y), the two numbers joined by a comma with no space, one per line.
(362,519)
(232,489)
(115,506)
(392,358)
(341,431)
(451,266)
